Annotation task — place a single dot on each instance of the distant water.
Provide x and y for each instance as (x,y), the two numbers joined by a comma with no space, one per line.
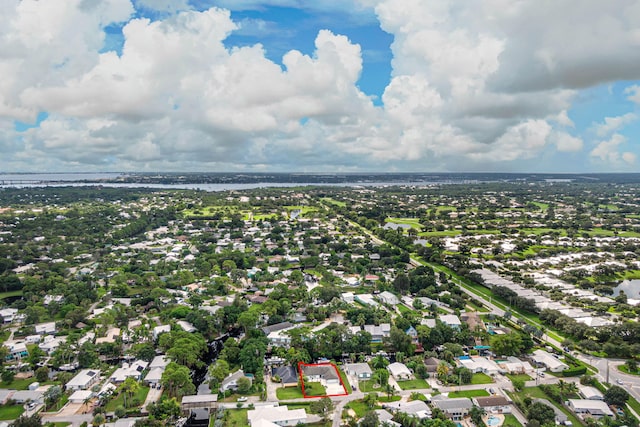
(60,177)
(631,289)
(70,180)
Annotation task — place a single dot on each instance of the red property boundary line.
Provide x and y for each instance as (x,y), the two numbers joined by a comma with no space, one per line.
(301,364)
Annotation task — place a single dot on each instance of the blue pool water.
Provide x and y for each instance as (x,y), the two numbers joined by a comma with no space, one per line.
(458,425)
(493,421)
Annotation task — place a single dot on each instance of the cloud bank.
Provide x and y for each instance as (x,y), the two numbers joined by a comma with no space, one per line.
(475,86)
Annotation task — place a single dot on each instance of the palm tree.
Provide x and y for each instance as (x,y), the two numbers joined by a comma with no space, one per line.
(390,390)
(85,403)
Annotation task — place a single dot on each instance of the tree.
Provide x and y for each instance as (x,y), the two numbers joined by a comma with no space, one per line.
(370,400)
(98,420)
(129,387)
(616,396)
(165,409)
(518,384)
(322,407)
(248,319)
(219,371)
(401,283)
(370,419)
(176,379)
(400,341)
(52,395)
(42,374)
(541,413)
(631,365)
(244,385)
(507,345)
(7,376)
(381,376)
(390,390)
(24,421)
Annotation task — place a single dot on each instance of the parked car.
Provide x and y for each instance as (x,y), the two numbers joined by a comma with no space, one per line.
(242,399)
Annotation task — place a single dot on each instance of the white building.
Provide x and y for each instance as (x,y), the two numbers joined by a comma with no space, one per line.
(590,393)
(546,359)
(85,379)
(160,330)
(46,328)
(399,371)
(279,415)
(387,297)
(133,370)
(586,408)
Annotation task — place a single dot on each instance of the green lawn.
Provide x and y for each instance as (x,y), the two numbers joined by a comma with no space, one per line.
(4,295)
(481,378)
(511,421)
(141,396)
(469,393)
(10,412)
(367,386)
(314,389)
(286,393)
(523,377)
(413,384)
(18,384)
(359,407)
(334,202)
(345,381)
(236,418)
(386,399)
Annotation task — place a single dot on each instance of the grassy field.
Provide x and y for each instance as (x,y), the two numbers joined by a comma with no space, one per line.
(367,386)
(413,384)
(314,389)
(359,407)
(141,395)
(481,378)
(289,393)
(511,421)
(386,399)
(18,384)
(331,201)
(237,418)
(4,295)
(469,393)
(10,412)
(523,377)
(345,381)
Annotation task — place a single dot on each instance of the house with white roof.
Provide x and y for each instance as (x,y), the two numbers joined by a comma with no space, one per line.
(479,364)
(278,415)
(451,320)
(546,359)
(590,393)
(46,328)
(587,408)
(454,408)
(378,332)
(399,371)
(84,380)
(362,371)
(133,370)
(160,330)
(186,326)
(17,350)
(8,314)
(387,297)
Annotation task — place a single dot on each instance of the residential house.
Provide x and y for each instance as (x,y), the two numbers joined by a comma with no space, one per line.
(399,371)
(561,417)
(378,332)
(477,364)
(546,359)
(8,314)
(17,350)
(366,299)
(80,396)
(590,393)
(287,374)
(454,408)
(493,404)
(587,408)
(50,343)
(133,370)
(432,364)
(416,408)
(186,326)
(387,297)
(158,330)
(362,371)
(110,337)
(46,328)
(324,373)
(84,380)
(451,320)
(278,415)
(386,419)
(231,381)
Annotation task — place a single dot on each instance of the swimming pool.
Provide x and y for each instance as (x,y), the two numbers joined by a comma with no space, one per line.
(493,421)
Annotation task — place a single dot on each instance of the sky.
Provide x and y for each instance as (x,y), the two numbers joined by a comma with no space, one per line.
(320,86)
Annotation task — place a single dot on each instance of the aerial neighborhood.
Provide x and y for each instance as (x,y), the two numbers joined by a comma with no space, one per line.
(493,304)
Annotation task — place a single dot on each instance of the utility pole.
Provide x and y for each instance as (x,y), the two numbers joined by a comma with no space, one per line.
(607,379)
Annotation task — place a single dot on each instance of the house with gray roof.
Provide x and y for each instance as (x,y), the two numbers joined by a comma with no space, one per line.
(455,408)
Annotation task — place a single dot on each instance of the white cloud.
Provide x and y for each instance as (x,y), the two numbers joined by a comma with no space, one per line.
(474,85)
(568,143)
(608,151)
(613,124)
(634,93)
